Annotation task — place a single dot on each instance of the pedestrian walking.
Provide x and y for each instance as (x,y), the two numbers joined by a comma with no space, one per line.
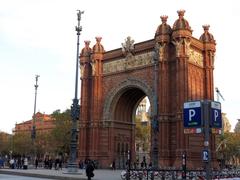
(25,163)
(56,163)
(89,170)
(50,163)
(113,165)
(11,162)
(36,163)
(60,163)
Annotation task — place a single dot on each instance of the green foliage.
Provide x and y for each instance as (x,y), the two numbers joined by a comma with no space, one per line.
(61,134)
(43,143)
(228,148)
(51,142)
(21,143)
(4,143)
(142,133)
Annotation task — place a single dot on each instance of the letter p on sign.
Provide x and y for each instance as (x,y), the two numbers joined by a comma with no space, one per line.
(192,113)
(215,115)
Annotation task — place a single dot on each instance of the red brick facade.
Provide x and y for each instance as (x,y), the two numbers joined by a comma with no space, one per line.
(114,82)
(43,123)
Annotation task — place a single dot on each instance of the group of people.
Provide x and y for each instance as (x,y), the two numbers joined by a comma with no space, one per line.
(20,162)
(136,164)
(49,163)
(1,162)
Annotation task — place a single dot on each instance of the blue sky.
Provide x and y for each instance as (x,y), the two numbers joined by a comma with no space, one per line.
(38,37)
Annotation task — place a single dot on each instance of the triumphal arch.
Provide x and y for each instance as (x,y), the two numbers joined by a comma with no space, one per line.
(169,69)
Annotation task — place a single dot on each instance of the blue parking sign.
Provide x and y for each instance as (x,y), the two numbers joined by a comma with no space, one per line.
(216,115)
(192,114)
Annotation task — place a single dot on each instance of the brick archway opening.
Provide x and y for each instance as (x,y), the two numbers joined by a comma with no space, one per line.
(122,114)
(127,104)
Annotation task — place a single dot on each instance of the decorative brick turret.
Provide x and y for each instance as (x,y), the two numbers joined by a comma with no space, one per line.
(181,27)
(209,46)
(98,47)
(163,31)
(206,36)
(86,52)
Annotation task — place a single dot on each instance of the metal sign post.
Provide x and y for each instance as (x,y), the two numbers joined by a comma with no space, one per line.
(204,114)
(206,152)
(184,166)
(128,165)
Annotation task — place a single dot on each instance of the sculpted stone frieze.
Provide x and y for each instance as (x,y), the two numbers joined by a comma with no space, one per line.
(195,57)
(127,63)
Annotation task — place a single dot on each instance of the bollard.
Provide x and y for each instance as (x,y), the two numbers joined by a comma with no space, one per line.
(184,166)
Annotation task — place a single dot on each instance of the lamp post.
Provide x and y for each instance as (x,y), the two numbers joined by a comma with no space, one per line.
(33,134)
(75,109)
(155,123)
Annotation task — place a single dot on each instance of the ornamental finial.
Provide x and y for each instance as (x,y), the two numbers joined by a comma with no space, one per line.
(206,27)
(164,18)
(181,13)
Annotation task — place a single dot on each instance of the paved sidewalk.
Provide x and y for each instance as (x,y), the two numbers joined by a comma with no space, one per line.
(100,174)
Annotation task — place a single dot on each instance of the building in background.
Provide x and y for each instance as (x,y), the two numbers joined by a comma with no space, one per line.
(43,122)
(237,127)
(142,140)
(142,112)
(226,123)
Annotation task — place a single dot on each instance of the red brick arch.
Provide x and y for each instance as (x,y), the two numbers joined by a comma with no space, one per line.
(114,82)
(115,94)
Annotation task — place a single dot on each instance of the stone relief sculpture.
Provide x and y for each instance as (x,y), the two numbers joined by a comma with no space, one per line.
(82,66)
(187,44)
(161,51)
(212,57)
(178,45)
(195,57)
(131,62)
(128,46)
(93,64)
(155,53)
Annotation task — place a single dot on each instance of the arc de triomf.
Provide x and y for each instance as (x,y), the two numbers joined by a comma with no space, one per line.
(113,83)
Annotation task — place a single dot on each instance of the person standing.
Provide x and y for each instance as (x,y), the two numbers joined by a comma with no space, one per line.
(89,170)
(60,163)
(113,165)
(36,163)
(25,163)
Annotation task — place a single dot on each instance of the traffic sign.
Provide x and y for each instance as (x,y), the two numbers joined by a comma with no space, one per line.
(216,115)
(192,114)
(205,156)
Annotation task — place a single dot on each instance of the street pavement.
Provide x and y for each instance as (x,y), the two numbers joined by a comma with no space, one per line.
(14,177)
(100,174)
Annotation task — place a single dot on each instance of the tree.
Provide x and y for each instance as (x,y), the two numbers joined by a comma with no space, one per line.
(142,134)
(61,134)
(21,144)
(228,148)
(5,142)
(43,143)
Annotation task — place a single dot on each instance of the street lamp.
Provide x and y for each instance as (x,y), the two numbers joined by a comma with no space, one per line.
(75,109)
(155,123)
(33,134)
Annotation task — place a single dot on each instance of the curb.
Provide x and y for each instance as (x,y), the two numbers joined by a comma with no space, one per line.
(40,175)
